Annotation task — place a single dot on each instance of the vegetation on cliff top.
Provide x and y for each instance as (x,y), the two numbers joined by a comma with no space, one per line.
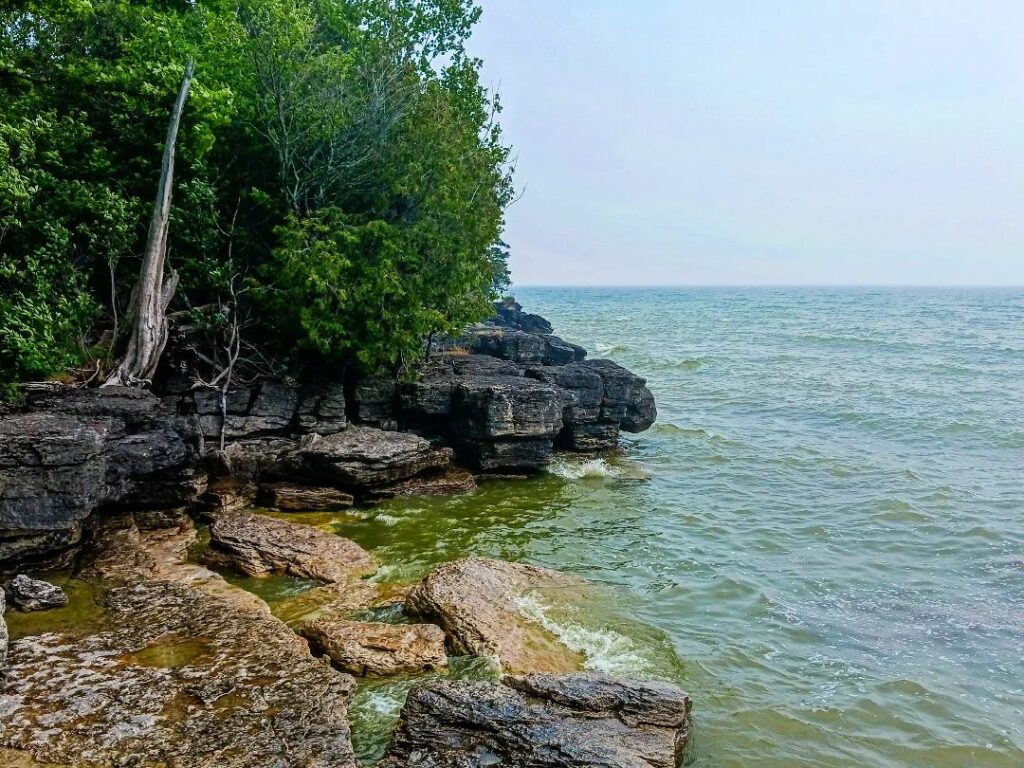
(340,182)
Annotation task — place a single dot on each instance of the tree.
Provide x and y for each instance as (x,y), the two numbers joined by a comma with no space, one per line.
(153,292)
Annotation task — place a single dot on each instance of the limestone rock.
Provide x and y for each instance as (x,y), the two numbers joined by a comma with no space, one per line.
(375,400)
(289,497)
(509,314)
(373,648)
(489,408)
(475,601)
(363,457)
(27,594)
(269,407)
(258,545)
(450,481)
(322,410)
(543,721)
(75,450)
(627,400)
(228,494)
(182,678)
(3,632)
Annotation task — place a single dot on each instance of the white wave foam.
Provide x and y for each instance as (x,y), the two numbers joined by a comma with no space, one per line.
(608,349)
(386,519)
(577,469)
(604,650)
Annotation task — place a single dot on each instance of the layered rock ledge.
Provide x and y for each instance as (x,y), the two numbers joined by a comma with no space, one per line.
(501,398)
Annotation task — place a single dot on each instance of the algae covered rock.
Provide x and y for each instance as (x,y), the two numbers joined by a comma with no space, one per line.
(543,721)
(477,603)
(258,545)
(181,678)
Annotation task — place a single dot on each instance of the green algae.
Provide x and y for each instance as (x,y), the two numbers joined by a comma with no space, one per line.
(83,614)
(172,652)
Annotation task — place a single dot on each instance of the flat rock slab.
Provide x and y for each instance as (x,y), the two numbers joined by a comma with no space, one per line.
(475,601)
(374,648)
(450,481)
(258,545)
(543,721)
(364,457)
(27,594)
(288,497)
(186,679)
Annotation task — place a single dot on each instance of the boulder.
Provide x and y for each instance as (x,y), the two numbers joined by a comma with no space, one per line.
(543,721)
(180,678)
(256,457)
(475,601)
(75,450)
(373,648)
(288,497)
(258,545)
(363,457)
(27,594)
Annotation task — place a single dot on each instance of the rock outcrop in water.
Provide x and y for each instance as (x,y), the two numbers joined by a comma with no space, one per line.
(475,602)
(543,721)
(27,594)
(501,398)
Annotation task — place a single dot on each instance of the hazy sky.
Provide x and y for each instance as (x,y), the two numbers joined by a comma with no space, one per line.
(766,141)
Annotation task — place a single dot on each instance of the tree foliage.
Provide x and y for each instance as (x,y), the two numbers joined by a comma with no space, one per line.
(339,156)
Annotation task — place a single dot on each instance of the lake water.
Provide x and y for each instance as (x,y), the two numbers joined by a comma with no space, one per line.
(821,539)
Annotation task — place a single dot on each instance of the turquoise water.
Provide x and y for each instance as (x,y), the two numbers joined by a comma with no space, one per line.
(822,538)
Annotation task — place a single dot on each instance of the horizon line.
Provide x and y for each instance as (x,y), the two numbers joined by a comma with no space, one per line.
(769,285)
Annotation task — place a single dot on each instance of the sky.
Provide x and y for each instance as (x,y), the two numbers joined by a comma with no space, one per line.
(836,142)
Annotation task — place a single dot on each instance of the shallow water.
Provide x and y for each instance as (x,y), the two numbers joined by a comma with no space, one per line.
(821,538)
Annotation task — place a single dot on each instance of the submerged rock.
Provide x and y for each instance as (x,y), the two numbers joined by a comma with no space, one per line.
(258,545)
(27,594)
(364,457)
(373,648)
(182,678)
(475,601)
(543,721)
(289,497)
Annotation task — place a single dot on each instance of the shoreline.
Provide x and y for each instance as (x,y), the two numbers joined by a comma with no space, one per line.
(500,399)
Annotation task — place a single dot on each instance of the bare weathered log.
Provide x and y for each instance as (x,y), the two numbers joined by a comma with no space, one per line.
(154,290)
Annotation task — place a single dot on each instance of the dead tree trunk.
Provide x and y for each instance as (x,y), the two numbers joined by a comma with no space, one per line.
(154,291)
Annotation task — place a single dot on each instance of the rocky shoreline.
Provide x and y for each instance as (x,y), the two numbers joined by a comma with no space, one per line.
(119,486)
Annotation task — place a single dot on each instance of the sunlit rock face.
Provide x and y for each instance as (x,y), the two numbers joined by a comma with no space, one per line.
(185,678)
(475,600)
